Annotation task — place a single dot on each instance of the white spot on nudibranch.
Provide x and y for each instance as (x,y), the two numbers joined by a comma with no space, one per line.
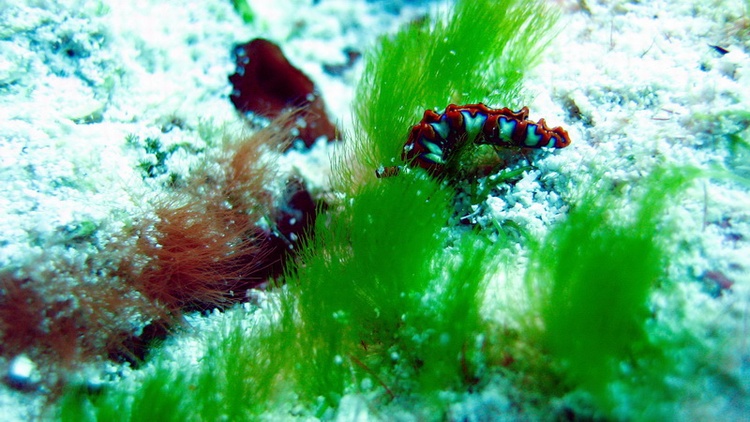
(435,158)
(506,129)
(473,124)
(441,128)
(432,147)
(532,138)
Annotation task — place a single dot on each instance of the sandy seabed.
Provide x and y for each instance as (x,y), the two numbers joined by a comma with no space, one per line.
(637,85)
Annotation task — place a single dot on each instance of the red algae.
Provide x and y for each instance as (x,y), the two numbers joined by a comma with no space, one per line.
(60,320)
(201,256)
(266,84)
(207,243)
(204,248)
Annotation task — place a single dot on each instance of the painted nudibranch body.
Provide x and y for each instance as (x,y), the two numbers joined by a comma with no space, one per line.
(433,140)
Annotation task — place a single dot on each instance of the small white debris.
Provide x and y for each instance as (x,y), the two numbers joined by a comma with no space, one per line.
(21,367)
(22,373)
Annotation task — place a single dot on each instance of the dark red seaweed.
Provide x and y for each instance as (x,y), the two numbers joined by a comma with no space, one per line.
(266,84)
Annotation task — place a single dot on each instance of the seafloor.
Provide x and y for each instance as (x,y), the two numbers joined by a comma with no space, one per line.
(636,84)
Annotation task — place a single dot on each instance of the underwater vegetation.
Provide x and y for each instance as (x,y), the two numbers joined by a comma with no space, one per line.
(333,333)
(244,10)
(201,248)
(204,249)
(382,298)
(385,299)
(57,326)
(591,281)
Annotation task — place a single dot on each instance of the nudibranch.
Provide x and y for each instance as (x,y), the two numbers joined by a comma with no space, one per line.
(433,142)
